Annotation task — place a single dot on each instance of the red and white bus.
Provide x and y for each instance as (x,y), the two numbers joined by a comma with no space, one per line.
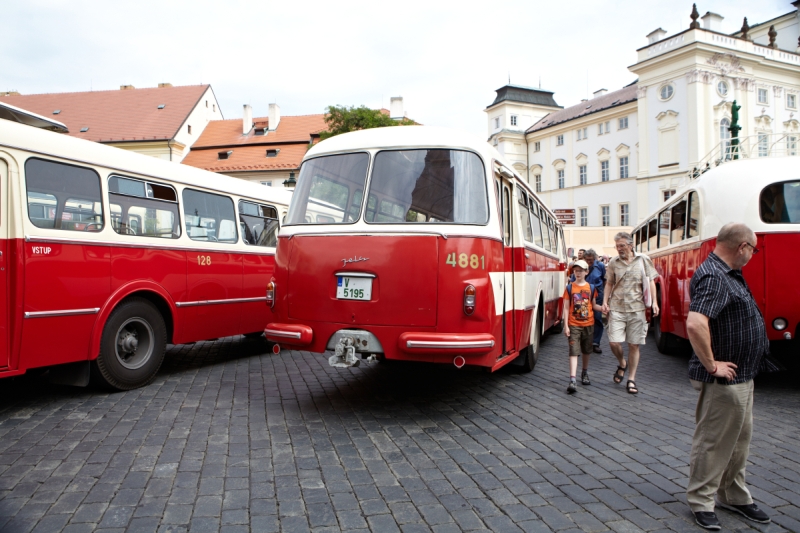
(763,192)
(107,255)
(434,249)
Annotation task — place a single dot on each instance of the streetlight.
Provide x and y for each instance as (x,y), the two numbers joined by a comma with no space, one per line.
(291,182)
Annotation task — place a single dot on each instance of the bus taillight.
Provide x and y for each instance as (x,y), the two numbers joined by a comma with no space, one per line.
(469,300)
(271,294)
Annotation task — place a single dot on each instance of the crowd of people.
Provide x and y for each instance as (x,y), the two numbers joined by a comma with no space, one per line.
(729,339)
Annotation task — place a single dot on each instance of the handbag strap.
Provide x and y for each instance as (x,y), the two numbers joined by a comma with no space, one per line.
(611,294)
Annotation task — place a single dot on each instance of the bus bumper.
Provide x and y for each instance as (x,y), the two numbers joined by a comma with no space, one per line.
(293,334)
(446,343)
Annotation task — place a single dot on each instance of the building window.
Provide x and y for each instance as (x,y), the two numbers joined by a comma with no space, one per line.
(537,179)
(560,179)
(762,96)
(791,145)
(189,128)
(560,140)
(537,146)
(273,153)
(605,215)
(206,104)
(722,89)
(497,123)
(791,101)
(214,108)
(266,183)
(623,167)
(666,92)
(725,138)
(224,155)
(604,171)
(669,193)
(624,217)
(623,123)
(513,120)
(582,174)
(600,129)
(584,216)
(580,133)
(763,145)
(608,127)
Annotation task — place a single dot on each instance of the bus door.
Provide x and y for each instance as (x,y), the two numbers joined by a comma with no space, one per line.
(4,351)
(506,220)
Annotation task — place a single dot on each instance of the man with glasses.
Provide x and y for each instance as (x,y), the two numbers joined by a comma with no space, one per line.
(730,344)
(623,300)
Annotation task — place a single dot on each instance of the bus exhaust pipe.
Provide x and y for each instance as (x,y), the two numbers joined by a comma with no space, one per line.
(459,361)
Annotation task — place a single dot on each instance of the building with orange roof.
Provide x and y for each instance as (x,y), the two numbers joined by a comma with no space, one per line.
(162,122)
(267,150)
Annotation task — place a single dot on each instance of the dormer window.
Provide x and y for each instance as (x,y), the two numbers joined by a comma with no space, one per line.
(273,153)
(162,106)
(224,155)
(260,131)
(57,111)
(84,129)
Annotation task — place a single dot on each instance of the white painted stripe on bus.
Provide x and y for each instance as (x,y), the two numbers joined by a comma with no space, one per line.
(64,312)
(287,334)
(217,302)
(91,242)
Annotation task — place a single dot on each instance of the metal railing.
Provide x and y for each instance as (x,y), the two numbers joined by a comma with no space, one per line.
(750,147)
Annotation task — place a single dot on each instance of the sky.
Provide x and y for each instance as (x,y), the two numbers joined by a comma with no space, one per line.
(446,59)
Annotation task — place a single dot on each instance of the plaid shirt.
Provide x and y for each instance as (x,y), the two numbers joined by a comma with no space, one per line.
(738,333)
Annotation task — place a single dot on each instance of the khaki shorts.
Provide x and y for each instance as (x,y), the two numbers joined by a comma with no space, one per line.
(580,340)
(627,327)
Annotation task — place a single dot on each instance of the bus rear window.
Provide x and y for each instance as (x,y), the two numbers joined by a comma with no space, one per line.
(329,190)
(780,203)
(63,196)
(428,186)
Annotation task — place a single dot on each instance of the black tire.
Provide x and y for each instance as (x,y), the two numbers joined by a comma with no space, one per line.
(667,343)
(530,355)
(132,347)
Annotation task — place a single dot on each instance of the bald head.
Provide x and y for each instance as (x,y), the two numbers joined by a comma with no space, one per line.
(733,234)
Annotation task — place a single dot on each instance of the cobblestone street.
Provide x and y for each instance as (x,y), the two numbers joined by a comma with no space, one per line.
(230,437)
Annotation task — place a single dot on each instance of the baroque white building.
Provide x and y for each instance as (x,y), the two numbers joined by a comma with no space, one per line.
(617,156)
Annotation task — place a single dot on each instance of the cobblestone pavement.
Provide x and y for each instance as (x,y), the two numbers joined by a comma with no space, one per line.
(230,437)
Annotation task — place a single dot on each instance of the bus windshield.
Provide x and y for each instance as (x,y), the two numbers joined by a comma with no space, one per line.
(780,203)
(329,190)
(419,186)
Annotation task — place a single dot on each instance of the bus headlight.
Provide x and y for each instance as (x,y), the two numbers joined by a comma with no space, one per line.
(271,294)
(469,300)
(780,324)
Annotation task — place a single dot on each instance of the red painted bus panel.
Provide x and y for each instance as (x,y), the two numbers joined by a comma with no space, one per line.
(403,289)
(62,277)
(4,337)
(257,271)
(166,268)
(212,276)
(782,256)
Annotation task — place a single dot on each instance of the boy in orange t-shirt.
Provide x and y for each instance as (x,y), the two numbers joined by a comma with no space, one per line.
(579,305)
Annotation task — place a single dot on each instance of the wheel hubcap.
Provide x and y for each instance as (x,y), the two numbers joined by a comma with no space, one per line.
(134,344)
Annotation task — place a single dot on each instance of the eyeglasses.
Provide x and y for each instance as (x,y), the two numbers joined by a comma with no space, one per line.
(755,250)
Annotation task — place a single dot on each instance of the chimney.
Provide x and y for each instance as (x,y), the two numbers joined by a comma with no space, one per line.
(163,85)
(396,108)
(247,119)
(126,87)
(656,35)
(712,21)
(274,116)
(599,92)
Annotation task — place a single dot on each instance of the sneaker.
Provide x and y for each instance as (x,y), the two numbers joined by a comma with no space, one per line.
(596,348)
(572,388)
(585,378)
(750,511)
(707,520)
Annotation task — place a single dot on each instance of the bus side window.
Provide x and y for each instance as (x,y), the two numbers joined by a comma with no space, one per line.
(678,222)
(63,196)
(142,208)
(537,227)
(506,215)
(663,233)
(637,240)
(355,206)
(524,216)
(652,234)
(258,224)
(372,206)
(209,217)
(563,245)
(693,227)
(545,230)
(554,229)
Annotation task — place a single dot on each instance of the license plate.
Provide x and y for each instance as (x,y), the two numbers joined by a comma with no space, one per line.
(348,288)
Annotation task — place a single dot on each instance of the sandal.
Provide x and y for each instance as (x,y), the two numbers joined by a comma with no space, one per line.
(632,388)
(617,376)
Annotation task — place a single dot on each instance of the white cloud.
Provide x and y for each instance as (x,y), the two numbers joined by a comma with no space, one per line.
(445,58)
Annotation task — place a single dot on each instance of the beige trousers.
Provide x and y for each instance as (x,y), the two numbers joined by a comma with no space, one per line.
(720,445)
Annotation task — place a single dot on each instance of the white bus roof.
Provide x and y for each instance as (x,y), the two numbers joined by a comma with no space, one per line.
(16,114)
(80,151)
(731,193)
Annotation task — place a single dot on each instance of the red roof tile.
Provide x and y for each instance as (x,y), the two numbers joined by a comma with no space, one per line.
(291,129)
(123,115)
(248,158)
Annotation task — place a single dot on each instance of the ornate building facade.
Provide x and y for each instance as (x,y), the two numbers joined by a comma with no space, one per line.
(617,156)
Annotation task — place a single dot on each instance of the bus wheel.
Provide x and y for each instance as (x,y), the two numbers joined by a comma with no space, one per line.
(667,343)
(530,355)
(133,345)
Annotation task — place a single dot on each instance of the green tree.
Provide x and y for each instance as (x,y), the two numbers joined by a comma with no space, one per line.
(341,119)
